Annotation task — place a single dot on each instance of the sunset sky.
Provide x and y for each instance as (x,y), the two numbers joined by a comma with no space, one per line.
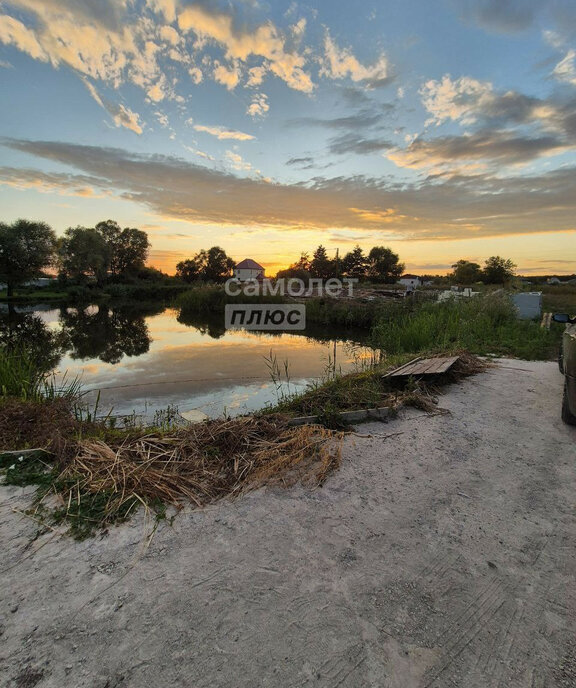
(443,129)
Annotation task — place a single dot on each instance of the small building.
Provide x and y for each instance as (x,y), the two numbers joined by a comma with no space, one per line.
(248,270)
(410,281)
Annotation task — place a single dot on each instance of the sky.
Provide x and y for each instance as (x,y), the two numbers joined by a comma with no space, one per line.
(444,129)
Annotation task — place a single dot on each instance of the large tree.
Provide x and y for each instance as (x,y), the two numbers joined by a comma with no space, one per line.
(321,266)
(127,248)
(384,265)
(466,272)
(354,263)
(83,253)
(214,264)
(498,270)
(188,270)
(26,249)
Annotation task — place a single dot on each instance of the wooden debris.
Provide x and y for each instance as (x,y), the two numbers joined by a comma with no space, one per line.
(424,366)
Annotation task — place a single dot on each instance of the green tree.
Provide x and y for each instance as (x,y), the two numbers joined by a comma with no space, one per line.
(384,265)
(127,248)
(83,252)
(188,270)
(26,249)
(214,265)
(466,272)
(321,266)
(498,270)
(354,264)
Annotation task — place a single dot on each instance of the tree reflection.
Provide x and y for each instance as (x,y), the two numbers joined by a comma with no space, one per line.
(212,326)
(107,333)
(20,331)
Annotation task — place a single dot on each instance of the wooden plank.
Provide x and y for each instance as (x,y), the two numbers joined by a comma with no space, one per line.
(427,366)
(406,365)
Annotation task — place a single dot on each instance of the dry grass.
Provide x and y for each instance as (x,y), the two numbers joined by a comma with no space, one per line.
(45,424)
(202,463)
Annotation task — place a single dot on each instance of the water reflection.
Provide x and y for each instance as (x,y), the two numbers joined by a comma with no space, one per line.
(144,357)
(105,333)
(27,331)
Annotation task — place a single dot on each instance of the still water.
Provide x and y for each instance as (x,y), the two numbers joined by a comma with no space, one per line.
(140,359)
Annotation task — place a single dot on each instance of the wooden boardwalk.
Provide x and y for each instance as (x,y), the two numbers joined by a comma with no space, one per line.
(424,366)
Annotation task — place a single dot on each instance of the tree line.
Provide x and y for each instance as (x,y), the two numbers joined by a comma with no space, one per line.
(380,264)
(108,253)
(103,253)
(496,270)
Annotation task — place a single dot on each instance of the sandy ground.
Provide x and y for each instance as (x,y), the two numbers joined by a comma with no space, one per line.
(444,555)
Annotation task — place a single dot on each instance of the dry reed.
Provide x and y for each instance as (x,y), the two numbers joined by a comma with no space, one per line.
(202,463)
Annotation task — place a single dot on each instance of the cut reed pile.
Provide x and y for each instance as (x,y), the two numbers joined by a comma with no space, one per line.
(202,463)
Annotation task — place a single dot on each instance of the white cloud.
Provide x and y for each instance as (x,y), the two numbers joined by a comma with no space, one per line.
(565,70)
(299,28)
(195,74)
(162,119)
(256,76)
(259,106)
(122,115)
(156,93)
(457,99)
(237,162)
(199,153)
(222,133)
(170,35)
(340,63)
(228,77)
(13,32)
(109,41)
(240,44)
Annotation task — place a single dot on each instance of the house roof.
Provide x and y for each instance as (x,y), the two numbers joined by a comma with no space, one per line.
(410,277)
(249,264)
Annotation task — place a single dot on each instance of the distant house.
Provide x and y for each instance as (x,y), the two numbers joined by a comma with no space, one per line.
(247,270)
(410,281)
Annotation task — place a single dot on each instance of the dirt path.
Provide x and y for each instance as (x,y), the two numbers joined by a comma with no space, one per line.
(441,556)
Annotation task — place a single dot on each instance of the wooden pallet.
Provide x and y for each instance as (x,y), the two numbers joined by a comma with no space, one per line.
(424,366)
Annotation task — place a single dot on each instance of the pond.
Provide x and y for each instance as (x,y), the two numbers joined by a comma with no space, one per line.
(139,359)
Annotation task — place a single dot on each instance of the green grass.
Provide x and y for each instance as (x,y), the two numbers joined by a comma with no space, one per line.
(23,376)
(559,298)
(482,325)
(35,295)
(137,291)
(20,374)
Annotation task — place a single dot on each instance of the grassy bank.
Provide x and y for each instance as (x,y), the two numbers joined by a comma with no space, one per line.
(486,325)
(85,294)
(483,325)
(90,475)
(329,312)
